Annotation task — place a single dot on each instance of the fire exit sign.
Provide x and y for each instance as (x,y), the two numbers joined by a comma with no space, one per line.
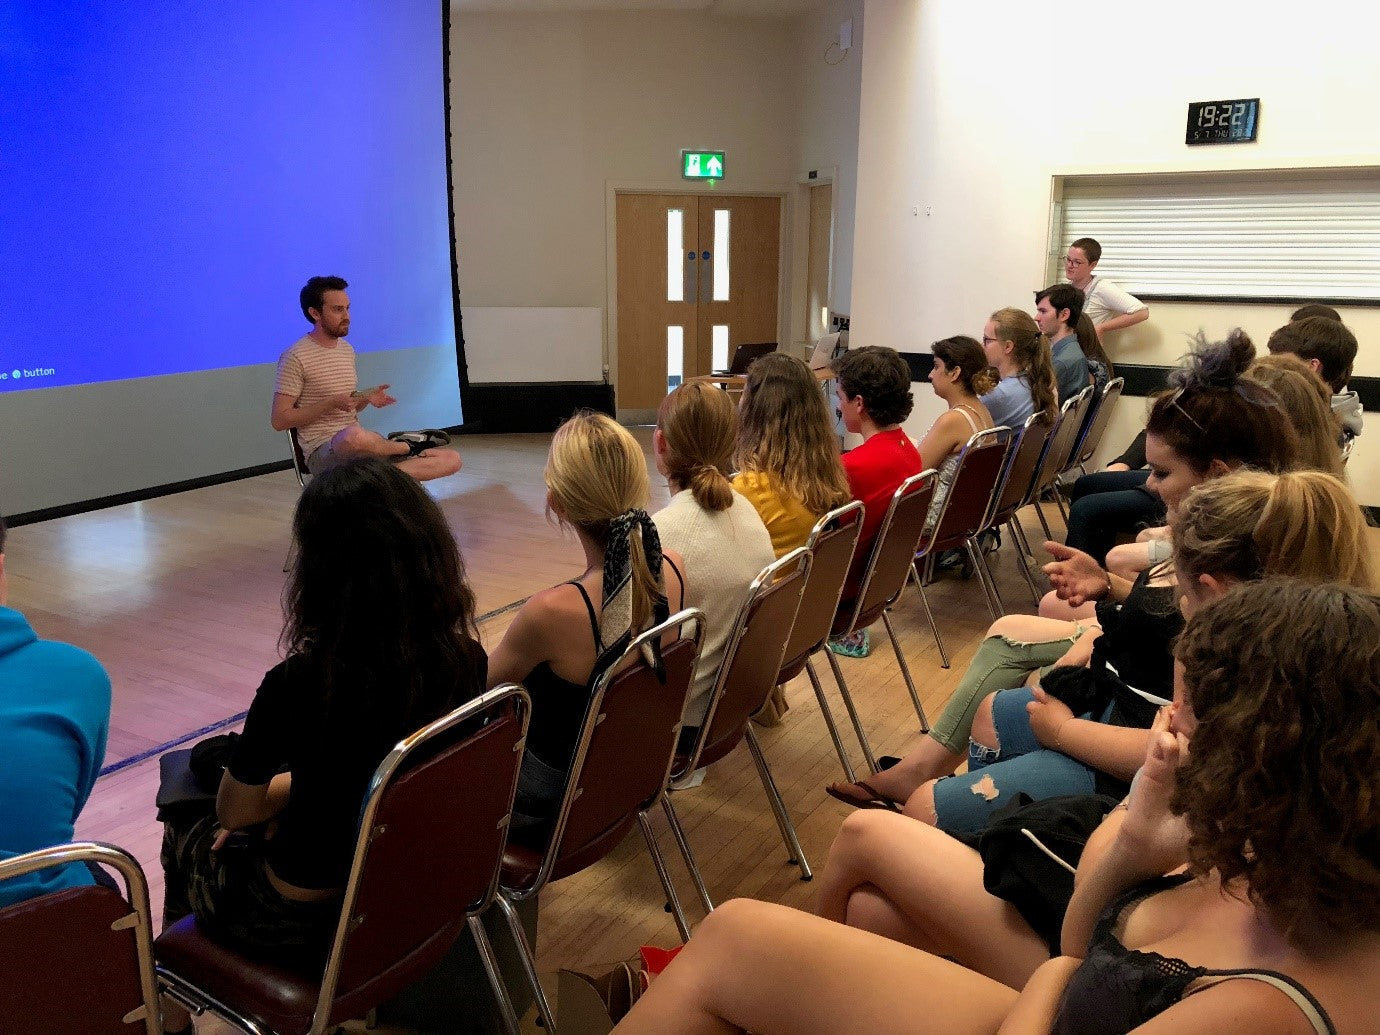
(702,165)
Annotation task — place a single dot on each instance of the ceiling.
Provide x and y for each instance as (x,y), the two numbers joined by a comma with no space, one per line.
(738,8)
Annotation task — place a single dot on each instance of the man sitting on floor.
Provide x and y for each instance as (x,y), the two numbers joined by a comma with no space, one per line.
(316,392)
(54,715)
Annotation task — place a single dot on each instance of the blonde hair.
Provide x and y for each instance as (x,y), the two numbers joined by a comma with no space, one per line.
(596,472)
(699,426)
(1032,355)
(786,434)
(1307,400)
(1250,525)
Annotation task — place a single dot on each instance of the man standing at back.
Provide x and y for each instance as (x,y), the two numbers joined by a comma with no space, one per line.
(54,716)
(1107,305)
(1057,309)
(316,393)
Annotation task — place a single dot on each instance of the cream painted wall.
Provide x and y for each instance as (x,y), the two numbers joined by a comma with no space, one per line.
(970,110)
(552,111)
(827,91)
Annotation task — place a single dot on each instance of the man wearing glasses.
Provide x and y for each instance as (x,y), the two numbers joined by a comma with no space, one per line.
(1109,307)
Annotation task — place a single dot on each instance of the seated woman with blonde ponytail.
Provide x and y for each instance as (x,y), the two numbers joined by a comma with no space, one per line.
(564,638)
(719,533)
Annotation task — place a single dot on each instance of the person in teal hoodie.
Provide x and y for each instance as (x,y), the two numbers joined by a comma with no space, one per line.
(54,716)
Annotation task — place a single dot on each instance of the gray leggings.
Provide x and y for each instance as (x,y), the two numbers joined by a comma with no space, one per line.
(999,664)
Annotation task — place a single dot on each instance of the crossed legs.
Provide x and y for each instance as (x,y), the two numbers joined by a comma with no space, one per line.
(356,441)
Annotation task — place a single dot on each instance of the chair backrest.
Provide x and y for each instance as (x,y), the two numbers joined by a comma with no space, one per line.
(299,459)
(965,509)
(752,656)
(1022,464)
(1097,422)
(430,846)
(1064,439)
(893,552)
(627,745)
(79,960)
(832,543)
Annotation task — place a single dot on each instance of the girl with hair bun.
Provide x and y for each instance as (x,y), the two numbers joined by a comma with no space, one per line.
(717,531)
(564,638)
(960,375)
(1014,345)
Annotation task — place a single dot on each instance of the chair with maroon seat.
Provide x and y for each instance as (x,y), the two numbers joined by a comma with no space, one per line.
(621,767)
(78,960)
(832,543)
(1013,493)
(888,569)
(426,863)
(747,676)
(964,514)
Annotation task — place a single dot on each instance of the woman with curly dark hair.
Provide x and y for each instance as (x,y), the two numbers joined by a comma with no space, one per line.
(1263,775)
(379,640)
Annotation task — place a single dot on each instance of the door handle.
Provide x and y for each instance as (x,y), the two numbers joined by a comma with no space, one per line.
(691,285)
(706,293)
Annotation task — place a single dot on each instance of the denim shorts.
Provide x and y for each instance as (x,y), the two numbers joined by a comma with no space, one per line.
(964,803)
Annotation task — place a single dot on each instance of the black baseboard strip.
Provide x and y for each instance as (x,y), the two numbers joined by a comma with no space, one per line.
(505,408)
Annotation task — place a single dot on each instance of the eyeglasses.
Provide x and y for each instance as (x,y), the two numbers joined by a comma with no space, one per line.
(987,341)
(1174,402)
(1070,261)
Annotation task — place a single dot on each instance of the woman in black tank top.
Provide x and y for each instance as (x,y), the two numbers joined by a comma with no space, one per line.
(564,638)
(1276,927)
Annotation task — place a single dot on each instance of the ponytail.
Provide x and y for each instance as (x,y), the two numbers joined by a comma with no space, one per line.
(699,426)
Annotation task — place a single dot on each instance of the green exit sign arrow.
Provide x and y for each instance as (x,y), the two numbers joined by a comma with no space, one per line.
(702,165)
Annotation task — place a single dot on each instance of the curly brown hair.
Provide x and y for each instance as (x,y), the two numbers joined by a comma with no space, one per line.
(1281,785)
(882,378)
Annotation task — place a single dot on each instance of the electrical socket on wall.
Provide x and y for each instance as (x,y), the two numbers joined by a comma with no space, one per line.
(846,34)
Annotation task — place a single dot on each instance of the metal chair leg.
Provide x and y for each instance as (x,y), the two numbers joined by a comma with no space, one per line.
(852,711)
(659,862)
(984,575)
(684,844)
(1024,557)
(1063,510)
(529,963)
(905,671)
(1040,513)
(783,818)
(992,583)
(938,641)
(828,714)
(490,961)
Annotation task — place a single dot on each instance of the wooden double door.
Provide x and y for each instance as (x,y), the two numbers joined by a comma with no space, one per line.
(698,275)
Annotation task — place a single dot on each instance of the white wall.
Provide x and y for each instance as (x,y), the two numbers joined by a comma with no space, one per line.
(970,109)
(827,91)
(550,111)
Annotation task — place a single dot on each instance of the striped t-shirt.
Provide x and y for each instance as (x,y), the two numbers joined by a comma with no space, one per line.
(310,372)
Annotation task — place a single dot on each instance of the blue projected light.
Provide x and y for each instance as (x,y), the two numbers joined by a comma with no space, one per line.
(171,175)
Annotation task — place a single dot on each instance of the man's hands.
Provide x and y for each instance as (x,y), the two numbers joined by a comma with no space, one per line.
(342,401)
(1075,576)
(377,396)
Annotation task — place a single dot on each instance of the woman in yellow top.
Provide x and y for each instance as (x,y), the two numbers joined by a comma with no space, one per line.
(788,457)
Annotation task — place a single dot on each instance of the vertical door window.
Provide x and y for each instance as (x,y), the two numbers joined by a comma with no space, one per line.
(675,255)
(675,357)
(721,255)
(719,345)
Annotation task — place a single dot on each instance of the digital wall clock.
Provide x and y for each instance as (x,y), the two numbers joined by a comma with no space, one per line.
(1223,122)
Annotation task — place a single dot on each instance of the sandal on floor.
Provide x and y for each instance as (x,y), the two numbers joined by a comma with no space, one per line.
(875,799)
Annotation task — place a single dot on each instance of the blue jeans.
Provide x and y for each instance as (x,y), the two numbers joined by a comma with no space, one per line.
(1109,504)
(965,803)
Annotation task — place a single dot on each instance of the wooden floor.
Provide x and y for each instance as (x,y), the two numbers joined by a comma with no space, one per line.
(179,598)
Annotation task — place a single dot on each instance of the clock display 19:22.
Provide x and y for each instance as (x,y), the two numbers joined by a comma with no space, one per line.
(1222,122)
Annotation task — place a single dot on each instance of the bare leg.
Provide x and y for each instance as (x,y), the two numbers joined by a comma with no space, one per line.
(431,463)
(426,465)
(920,805)
(912,883)
(1052,607)
(754,966)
